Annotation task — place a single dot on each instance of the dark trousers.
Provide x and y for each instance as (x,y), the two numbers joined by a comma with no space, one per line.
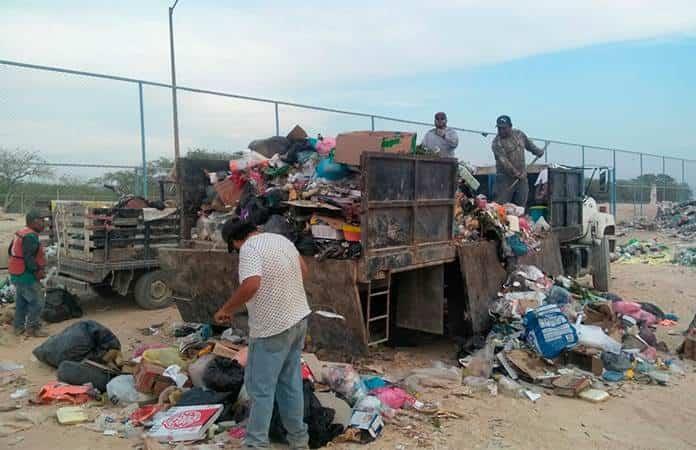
(506,193)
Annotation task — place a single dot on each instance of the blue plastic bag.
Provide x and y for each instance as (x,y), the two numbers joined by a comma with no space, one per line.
(548,331)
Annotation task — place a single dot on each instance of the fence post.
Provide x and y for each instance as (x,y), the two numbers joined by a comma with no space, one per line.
(664,181)
(683,171)
(614,181)
(640,185)
(142,138)
(21,204)
(277,120)
(372,123)
(582,155)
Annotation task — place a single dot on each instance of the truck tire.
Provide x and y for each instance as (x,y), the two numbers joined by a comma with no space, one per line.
(601,270)
(152,290)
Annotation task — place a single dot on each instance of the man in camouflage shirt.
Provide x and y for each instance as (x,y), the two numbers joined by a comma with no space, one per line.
(508,147)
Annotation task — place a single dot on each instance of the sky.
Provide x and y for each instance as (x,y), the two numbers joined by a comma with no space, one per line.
(612,73)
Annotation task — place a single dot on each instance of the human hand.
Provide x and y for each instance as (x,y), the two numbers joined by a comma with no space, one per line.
(40,275)
(223,316)
(440,132)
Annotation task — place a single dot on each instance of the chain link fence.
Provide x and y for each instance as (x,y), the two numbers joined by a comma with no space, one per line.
(227,122)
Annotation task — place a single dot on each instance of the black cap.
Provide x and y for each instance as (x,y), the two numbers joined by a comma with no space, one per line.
(503,121)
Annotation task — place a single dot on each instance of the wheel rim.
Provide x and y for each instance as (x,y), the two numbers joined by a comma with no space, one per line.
(159,291)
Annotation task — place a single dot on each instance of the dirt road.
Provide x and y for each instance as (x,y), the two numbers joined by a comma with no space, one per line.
(645,417)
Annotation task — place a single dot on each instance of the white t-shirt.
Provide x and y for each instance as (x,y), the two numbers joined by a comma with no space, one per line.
(281,301)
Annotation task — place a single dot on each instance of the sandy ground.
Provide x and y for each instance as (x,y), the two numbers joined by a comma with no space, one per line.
(644,417)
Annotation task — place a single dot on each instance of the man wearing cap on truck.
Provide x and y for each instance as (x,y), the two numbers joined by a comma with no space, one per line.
(26,265)
(441,139)
(511,170)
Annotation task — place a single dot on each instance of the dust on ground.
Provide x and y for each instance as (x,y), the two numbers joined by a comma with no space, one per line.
(643,417)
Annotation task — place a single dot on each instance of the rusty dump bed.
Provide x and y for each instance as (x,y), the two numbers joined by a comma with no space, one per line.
(406,225)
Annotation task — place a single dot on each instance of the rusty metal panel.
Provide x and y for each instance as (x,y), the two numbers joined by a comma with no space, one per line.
(408,200)
(483,276)
(420,299)
(205,278)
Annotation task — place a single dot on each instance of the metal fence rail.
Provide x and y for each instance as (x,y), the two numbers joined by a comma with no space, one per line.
(563,152)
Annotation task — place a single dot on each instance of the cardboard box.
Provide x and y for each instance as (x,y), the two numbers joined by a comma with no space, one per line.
(185,423)
(349,146)
(367,421)
(149,378)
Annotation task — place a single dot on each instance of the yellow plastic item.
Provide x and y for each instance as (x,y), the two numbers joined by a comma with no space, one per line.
(629,374)
(71,415)
(594,395)
(165,357)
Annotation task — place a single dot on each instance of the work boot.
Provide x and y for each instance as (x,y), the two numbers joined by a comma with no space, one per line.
(37,332)
(18,331)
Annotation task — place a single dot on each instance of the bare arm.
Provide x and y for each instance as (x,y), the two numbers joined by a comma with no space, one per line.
(243,294)
(303,267)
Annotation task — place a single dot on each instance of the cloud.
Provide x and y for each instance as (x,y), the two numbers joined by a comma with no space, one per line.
(281,46)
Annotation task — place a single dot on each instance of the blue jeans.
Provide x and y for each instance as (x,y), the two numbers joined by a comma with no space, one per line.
(273,373)
(29,303)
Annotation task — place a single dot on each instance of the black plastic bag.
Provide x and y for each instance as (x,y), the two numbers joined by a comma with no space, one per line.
(60,305)
(77,374)
(86,339)
(319,420)
(224,375)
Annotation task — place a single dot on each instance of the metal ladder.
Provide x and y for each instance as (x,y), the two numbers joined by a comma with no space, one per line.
(378,296)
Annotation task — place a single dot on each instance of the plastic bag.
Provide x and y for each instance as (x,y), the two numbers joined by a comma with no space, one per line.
(393,396)
(86,339)
(559,296)
(548,331)
(346,381)
(164,357)
(77,374)
(594,336)
(224,375)
(373,404)
(197,369)
(122,390)
(331,170)
(481,363)
(477,384)
(325,145)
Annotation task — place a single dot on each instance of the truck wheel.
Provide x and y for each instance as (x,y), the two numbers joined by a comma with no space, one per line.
(152,290)
(601,266)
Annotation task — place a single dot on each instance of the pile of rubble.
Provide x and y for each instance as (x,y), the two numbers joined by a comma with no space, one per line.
(679,219)
(644,252)
(553,335)
(150,393)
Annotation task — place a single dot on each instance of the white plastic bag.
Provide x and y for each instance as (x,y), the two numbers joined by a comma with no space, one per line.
(122,390)
(594,336)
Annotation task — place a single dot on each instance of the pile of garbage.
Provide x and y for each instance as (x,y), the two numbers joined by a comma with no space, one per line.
(152,391)
(685,256)
(507,224)
(644,252)
(7,291)
(555,335)
(307,189)
(677,218)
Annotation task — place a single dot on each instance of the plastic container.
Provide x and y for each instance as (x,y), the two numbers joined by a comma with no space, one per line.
(351,233)
(537,212)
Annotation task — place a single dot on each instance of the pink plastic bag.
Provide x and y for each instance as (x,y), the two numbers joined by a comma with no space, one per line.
(325,145)
(393,396)
(634,310)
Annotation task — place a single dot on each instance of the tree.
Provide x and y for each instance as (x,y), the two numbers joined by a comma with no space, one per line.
(16,166)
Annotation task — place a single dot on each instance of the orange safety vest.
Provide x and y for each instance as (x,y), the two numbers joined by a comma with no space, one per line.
(16,264)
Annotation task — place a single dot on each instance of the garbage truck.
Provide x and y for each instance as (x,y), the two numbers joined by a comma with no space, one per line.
(411,274)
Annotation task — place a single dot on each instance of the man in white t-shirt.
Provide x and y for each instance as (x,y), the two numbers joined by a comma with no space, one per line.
(270,275)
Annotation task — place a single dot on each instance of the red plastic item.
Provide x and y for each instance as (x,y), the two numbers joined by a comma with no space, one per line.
(307,372)
(237,433)
(61,392)
(145,413)
(394,397)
